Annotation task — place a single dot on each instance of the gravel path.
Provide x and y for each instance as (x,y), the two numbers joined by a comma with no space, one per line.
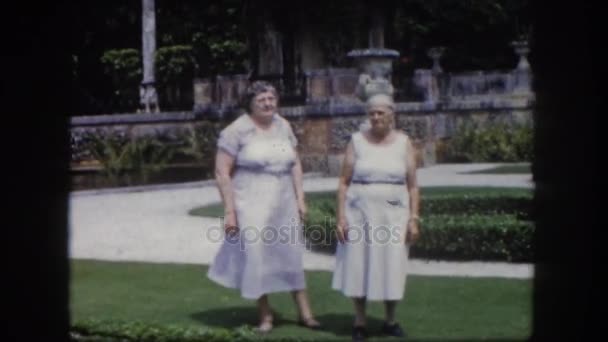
(151,223)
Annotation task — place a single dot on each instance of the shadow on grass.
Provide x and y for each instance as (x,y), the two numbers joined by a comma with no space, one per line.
(229,317)
(342,324)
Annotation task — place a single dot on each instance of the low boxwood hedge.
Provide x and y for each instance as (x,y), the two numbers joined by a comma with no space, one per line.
(116,330)
(475,237)
(489,227)
(93,330)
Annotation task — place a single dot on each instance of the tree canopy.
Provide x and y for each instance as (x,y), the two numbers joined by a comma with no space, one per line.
(217,34)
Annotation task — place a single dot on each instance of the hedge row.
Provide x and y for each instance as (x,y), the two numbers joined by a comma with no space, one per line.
(127,331)
(476,227)
(500,142)
(475,237)
(499,202)
(91,330)
(477,205)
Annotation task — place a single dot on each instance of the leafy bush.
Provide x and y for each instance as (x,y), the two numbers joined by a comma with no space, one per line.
(497,143)
(174,64)
(129,331)
(220,52)
(475,237)
(123,66)
(492,226)
(199,143)
(121,156)
(523,143)
(320,224)
(175,68)
(477,205)
(88,330)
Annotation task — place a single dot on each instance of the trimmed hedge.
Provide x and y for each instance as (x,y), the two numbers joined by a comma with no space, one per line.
(477,205)
(320,225)
(135,158)
(492,227)
(499,142)
(475,237)
(499,201)
(127,331)
(103,330)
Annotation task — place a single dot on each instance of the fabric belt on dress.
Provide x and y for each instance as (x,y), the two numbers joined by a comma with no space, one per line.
(261,170)
(398,182)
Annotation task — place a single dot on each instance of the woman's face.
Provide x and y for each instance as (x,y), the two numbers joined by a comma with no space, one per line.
(264,105)
(380,118)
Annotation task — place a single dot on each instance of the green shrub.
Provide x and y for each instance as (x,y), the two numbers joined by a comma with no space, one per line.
(320,224)
(130,331)
(477,204)
(497,143)
(475,237)
(123,67)
(199,143)
(175,64)
(522,140)
(104,330)
(493,226)
(119,156)
(220,53)
(172,63)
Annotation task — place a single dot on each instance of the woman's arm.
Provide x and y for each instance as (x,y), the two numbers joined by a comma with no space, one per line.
(224,163)
(296,173)
(344,181)
(413,230)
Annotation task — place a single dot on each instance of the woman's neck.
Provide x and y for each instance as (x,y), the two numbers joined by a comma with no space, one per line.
(379,136)
(262,123)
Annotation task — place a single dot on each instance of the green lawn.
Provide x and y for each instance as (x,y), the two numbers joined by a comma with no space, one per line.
(217,210)
(434,307)
(523,168)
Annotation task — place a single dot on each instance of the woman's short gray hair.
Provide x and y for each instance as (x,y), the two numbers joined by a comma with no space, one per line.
(254,89)
(380,100)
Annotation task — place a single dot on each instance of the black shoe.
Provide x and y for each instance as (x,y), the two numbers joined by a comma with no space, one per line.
(359,333)
(393,330)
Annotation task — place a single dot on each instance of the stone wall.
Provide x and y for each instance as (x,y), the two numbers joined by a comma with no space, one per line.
(323,137)
(168,127)
(324,130)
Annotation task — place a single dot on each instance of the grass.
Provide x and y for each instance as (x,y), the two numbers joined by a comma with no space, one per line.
(523,168)
(434,307)
(217,210)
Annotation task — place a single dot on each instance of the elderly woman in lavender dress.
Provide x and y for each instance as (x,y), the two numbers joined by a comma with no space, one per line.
(259,176)
(378,206)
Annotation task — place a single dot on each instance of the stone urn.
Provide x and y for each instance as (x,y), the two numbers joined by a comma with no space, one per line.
(375,66)
(522,49)
(435,54)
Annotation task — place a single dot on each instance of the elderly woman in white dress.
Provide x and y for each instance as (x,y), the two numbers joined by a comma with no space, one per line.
(378,207)
(259,176)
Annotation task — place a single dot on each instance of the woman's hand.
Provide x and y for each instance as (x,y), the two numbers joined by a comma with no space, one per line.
(230,225)
(342,230)
(413,231)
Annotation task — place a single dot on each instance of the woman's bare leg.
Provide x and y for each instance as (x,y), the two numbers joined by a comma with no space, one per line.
(389,308)
(360,317)
(304,311)
(265,313)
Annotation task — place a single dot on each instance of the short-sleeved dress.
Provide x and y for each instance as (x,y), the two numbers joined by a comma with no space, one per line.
(266,256)
(373,262)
